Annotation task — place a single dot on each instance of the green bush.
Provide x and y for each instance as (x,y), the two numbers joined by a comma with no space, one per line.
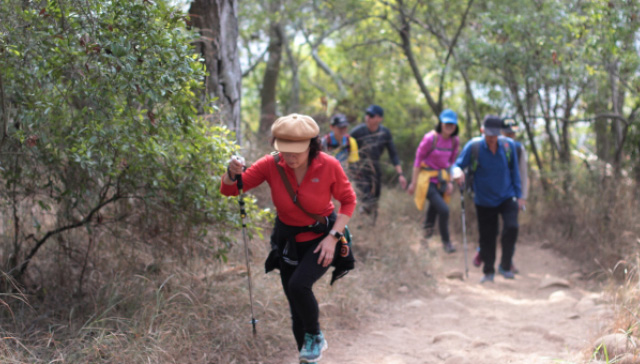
(102,116)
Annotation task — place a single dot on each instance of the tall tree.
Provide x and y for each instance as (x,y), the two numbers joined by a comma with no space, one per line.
(405,15)
(218,43)
(269,90)
(612,52)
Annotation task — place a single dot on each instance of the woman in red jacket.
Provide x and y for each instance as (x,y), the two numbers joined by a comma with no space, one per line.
(303,247)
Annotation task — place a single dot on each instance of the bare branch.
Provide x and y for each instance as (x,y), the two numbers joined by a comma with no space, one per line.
(622,118)
(255,64)
(84,221)
(319,62)
(405,36)
(5,111)
(451,48)
(376,42)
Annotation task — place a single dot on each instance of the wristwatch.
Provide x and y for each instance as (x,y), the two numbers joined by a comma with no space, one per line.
(338,235)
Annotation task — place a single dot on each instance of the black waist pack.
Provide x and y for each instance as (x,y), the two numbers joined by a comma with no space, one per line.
(283,247)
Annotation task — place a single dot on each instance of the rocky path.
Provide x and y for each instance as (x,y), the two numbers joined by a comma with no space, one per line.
(545,315)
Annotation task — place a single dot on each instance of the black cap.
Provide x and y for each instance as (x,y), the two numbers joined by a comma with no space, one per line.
(492,125)
(510,125)
(339,120)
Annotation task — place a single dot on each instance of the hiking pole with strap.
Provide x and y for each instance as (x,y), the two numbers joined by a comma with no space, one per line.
(243,215)
(464,231)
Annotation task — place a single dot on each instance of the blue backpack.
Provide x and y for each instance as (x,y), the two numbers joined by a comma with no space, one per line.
(470,171)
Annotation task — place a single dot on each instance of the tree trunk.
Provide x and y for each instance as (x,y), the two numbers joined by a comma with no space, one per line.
(294,99)
(268,94)
(218,24)
(617,98)
(603,147)
(468,129)
(472,100)
(405,35)
(513,86)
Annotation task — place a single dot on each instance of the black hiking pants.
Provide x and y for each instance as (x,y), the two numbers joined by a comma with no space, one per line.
(438,208)
(297,282)
(488,229)
(369,183)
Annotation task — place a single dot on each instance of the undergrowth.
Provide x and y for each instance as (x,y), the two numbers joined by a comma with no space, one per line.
(193,307)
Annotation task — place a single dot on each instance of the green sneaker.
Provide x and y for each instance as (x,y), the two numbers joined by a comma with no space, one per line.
(312,348)
(487,278)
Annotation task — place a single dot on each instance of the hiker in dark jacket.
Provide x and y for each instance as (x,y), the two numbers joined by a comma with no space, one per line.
(496,183)
(373,139)
(304,247)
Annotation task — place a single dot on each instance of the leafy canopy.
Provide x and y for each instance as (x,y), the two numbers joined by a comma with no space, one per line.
(100,103)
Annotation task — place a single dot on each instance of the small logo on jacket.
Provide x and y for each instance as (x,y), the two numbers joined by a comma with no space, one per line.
(315,180)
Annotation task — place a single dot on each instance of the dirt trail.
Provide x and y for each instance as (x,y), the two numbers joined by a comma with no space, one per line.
(464,322)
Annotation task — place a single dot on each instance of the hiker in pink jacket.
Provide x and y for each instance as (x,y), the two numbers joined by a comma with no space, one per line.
(431,179)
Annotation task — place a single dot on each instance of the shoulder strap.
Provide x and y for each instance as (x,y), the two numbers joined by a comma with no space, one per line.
(433,142)
(475,151)
(508,151)
(327,140)
(294,197)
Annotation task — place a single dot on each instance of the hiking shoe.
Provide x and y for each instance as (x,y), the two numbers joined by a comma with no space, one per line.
(312,348)
(477,260)
(487,278)
(506,273)
(514,269)
(448,247)
(428,232)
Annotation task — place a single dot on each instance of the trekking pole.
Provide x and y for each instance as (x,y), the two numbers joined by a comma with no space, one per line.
(243,215)
(464,231)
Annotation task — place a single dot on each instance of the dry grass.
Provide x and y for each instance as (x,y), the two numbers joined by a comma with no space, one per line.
(182,305)
(594,223)
(192,308)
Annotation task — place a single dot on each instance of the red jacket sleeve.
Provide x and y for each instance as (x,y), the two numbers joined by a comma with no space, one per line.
(251,178)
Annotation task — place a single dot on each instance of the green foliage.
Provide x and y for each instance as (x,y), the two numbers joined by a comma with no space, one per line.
(100,106)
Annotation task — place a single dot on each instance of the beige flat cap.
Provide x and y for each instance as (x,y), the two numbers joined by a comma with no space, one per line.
(293,133)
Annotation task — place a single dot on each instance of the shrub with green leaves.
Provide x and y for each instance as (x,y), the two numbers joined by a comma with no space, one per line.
(101,112)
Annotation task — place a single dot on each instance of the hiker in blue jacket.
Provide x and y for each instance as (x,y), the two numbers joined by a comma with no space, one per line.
(496,183)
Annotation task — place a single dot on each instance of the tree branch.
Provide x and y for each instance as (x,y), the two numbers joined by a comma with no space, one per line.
(474,104)
(5,111)
(320,63)
(23,267)
(405,36)
(255,64)
(451,47)
(622,118)
(513,88)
